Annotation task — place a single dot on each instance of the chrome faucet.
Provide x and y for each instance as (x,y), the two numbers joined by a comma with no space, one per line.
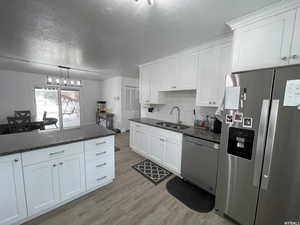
(178,110)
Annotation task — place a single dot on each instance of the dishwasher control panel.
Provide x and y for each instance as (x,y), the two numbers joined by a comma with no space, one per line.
(240,142)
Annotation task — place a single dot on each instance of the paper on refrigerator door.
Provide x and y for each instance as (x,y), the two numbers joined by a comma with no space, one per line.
(232,97)
(292,93)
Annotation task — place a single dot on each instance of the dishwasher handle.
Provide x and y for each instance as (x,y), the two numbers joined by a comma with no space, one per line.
(210,145)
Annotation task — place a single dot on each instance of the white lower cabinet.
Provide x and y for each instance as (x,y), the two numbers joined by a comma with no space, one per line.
(37,181)
(157,146)
(172,154)
(41,185)
(71,173)
(12,196)
(164,146)
(100,162)
(139,138)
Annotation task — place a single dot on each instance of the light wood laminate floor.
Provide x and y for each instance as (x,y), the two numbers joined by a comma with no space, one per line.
(130,200)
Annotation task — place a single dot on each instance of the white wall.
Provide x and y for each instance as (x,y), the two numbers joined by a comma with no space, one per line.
(17,93)
(113,94)
(186,101)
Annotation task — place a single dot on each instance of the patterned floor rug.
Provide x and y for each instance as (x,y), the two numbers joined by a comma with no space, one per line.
(151,171)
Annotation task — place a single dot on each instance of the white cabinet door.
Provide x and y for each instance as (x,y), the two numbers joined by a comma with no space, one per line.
(265,43)
(168,74)
(172,156)
(71,176)
(41,186)
(131,133)
(145,82)
(187,71)
(206,82)
(157,146)
(295,53)
(224,68)
(12,196)
(141,140)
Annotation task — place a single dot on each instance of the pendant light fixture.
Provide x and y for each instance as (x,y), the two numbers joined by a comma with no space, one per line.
(64,79)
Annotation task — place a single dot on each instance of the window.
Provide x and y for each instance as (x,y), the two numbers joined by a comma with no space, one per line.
(59,107)
(70,108)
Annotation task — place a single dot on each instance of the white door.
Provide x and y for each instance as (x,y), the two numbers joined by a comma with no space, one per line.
(141,140)
(132,107)
(295,53)
(265,43)
(207,73)
(145,80)
(157,145)
(187,71)
(12,196)
(172,156)
(71,176)
(41,186)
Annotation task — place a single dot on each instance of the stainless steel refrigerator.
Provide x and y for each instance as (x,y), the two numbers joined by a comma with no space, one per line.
(259,162)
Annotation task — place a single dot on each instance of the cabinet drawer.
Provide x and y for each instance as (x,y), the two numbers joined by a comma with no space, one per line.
(99,144)
(51,153)
(99,171)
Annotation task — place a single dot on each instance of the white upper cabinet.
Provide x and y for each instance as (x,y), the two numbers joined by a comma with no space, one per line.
(150,84)
(12,195)
(187,71)
(295,53)
(145,82)
(269,37)
(213,66)
(168,74)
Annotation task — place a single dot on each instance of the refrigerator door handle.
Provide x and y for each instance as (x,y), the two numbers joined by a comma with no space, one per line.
(261,139)
(270,144)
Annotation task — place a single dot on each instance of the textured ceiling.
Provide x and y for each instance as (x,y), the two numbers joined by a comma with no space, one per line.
(110,36)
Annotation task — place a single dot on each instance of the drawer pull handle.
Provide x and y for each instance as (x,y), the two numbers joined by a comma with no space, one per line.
(100,165)
(56,153)
(101,143)
(102,178)
(100,153)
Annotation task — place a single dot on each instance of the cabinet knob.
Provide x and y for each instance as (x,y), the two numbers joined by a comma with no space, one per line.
(61,163)
(173,87)
(16,160)
(295,56)
(54,165)
(209,103)
(284,58)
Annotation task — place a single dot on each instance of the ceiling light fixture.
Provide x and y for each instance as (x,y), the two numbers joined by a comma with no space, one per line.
(64,79)
(150,2)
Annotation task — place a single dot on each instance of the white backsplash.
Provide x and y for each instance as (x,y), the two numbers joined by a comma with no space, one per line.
(186,101)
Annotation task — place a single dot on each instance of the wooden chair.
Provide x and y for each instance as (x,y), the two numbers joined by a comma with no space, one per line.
(19,124)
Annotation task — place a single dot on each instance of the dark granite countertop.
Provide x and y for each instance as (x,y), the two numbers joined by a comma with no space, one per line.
(191,131)
(23,142)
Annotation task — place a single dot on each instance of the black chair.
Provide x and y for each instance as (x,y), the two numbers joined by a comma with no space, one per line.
(19,124)
(49,121)
(23,114)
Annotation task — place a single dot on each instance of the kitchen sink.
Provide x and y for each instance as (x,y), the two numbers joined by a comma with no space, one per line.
(172,125)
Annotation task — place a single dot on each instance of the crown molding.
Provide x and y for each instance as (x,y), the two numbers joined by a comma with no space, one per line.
(221,40)
(272,10)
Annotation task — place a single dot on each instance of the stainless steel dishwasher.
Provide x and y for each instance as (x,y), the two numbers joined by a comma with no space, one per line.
(200,162)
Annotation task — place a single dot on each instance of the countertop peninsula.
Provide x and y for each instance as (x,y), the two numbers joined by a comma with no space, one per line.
(28,141)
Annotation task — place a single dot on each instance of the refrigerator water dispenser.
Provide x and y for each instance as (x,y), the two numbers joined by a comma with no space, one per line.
(240,142)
